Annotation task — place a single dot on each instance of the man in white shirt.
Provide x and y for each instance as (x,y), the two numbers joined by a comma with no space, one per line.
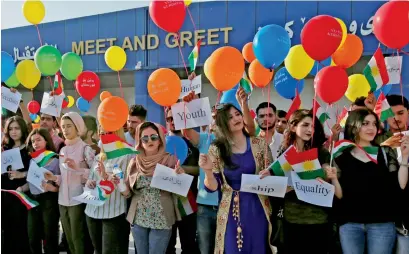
(266,119)
(137,115)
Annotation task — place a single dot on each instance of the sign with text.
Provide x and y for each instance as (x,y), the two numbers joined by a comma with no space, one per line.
(90,196)
(274,186)
(166,179)
(51,105)
(191,85)
(313,191)
(11,158)
(193,114)
(394,67)
(10,100)
(35,175)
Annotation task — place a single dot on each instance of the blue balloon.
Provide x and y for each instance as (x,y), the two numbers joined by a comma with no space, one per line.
(7,66)
(271,45)
(178,145)
(33,117)
(83,105)
(385,89)
(285,84)
(319,65)
(230,97)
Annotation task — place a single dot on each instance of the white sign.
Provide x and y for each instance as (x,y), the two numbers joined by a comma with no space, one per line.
(274,186)
(35,175)
(11,158)
(166,179)
(394,67)
(197,113)
(191,85)
(51,105)
(90,196)
(10,100)
(312,191)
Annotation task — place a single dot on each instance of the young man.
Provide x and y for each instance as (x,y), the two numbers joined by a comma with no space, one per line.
(136,116)
(281,123)
(50,123)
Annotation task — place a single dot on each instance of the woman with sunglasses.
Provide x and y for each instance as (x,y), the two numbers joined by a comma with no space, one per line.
(152,212)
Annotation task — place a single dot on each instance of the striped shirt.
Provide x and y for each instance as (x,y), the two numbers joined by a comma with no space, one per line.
(116,204)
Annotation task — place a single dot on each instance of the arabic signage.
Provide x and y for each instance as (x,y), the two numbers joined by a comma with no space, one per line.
(26,54)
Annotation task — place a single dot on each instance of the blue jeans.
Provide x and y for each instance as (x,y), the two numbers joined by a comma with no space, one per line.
(402,245)
(150,241)
(206,228)
(380,238)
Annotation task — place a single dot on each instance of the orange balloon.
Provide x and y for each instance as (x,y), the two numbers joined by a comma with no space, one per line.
(349,53)
(259,75)
(104,95)
(112,113)
(224,68)
(164,87)
(248,52)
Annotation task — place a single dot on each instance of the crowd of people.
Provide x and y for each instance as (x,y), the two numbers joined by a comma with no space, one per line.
(370,210)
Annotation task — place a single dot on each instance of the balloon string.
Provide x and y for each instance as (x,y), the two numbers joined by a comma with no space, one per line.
(400,81)
(191,18)
(218,98)
(184,112)
(32,94)
(313,115)
(266,136)
(51,83)
(120,85)
(183,59)
(39,35)
(406,53)
(164,113)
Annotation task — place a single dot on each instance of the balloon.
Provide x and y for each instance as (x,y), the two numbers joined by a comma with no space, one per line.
(286,85)
(33,117)
(188,2)
(48,60)
(358,86)
(71,66)
(115,58)
(70,101)
(298,63)
(385,89)
(33,11)
(344,31)
(388,18)
(7,66)
(176,144)
(104,95)
(28,74)
(168,15)
(164,87)
(37,119)
(87,85)
(271,45)
(33,107)
(248,52)
(331,83)
(83,105)
(12,81)
(259,75)
(349,53)
(319,65)
(230,97)
(224,68)
(321,37)
(112,113)
(65,102)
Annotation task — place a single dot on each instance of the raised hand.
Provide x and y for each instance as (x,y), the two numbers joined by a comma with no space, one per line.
(205,162)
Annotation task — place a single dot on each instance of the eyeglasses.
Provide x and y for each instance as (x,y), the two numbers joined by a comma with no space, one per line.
(169,119)
(153,138)
(219,106)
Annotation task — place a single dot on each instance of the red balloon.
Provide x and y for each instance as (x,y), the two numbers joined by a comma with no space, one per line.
(391,24)
(321,37)
(331,83)
(168,15)
(33,107)
(87,85)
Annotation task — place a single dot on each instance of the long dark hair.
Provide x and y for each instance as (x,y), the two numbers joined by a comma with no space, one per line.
(91,125)
(47,137)
(7,141)
(224,136)
(354,124)
(316,141)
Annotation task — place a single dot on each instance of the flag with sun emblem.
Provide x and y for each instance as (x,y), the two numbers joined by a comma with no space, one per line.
(375,71)
(281,167)
(305,164)
(115,147)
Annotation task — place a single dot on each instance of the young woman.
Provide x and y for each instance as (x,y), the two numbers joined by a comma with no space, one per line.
(43,219)
(152,212)
(91,130)
(368,190)
(107,224)
(243,219)
(75,160)
(14,213)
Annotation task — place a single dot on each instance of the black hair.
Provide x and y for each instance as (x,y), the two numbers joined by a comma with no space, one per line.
(281,114)
(360,101)
(396,100)
(266,105)
(354,124)
(138,110)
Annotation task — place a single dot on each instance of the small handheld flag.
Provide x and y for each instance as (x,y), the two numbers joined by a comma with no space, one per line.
(115,147)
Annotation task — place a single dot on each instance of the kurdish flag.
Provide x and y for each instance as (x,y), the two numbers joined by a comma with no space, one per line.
(58,86)
(115,147)
(320,112)
(194,56)
(29,203)
(340,146)
(342,118)
(246,83)
(376,72)
(306,164)
(281,167)
(187,205)
(382,108)
(294,106)
(42,157)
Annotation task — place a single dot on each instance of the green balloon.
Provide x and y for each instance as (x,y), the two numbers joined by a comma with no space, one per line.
(48,60)
(13,81)
(71,66)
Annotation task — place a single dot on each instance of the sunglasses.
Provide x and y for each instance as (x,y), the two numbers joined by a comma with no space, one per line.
(219,106)
(153,138)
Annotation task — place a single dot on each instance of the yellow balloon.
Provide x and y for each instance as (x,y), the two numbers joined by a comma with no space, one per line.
(70,101)
(115,58)
(34,11)
(298,63)
(188,2)
(28,74)
(358,86)
(344,31)
(37,119)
